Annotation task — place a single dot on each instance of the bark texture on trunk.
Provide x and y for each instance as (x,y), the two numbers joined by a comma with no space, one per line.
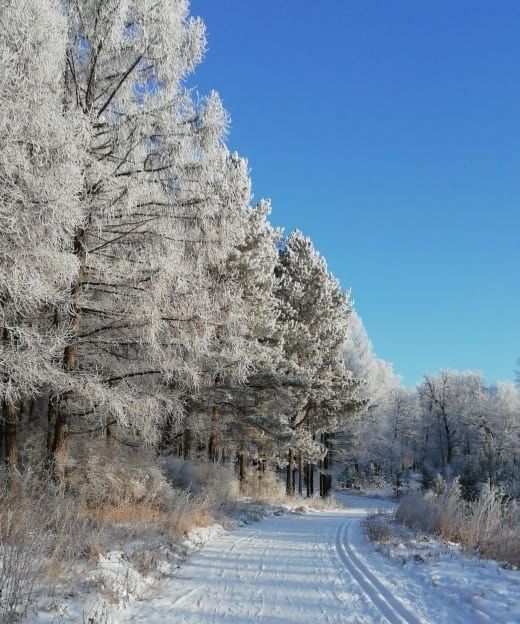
(59,447)
(10,426)
(61,435)
(326,479)
(25,408)
(187,442)
(70,360)
(213,436)
(2,438)
(290,474)
(308,479)
(300,474)
(215,424)
(10,418)
(51,429)
(70,355)
(449,437)
(242,464)
(109,434)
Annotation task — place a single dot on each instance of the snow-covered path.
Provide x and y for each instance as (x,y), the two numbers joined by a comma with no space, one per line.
(314,568)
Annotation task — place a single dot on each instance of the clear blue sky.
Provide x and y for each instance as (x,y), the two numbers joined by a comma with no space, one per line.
(389,132)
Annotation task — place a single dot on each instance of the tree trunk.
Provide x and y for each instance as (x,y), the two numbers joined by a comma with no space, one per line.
(308,479)
(242,464)
(300,474)
(325,478)
(188,439)
(165,440)
(215,421)
(10,418)
(51,428)
(213,436)
(70,356)
(60,446)
(109,435)
(290,474)
(33,410)
(25,408)
(2,438)
(61,435)
(449,438)
(10,425)
(441,444)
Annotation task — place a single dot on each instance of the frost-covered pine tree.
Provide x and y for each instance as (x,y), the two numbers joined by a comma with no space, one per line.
(314,313)
(40,183)
(260,426)
(225,358)
(247,412)
(152,320)
(118,53)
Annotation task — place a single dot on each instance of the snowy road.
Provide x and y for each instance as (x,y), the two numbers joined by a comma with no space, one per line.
(314,568)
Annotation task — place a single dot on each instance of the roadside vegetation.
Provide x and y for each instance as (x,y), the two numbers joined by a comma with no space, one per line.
(487,526)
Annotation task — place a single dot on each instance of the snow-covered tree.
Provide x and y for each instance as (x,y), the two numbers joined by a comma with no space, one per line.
(151,318)
(245,415)
(367,444)
(40,182)
(359,357)
(469,429)
(314,312)
(450,401)
(251,269)
(502,450)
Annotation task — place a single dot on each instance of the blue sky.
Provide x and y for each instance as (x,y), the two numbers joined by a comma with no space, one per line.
(389,132)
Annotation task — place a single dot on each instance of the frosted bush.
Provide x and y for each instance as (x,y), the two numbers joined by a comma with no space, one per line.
(119,478)
(264,487)
(418,511)
(490,525)
(40,534)
(217,480)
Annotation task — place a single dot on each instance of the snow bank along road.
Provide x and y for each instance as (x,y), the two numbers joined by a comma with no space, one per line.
(314,568)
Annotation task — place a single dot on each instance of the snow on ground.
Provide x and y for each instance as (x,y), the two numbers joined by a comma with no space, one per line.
(318,567)
(280,570)
(462,586)
(310,568)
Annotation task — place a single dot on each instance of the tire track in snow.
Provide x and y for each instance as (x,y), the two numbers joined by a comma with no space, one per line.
(390,607)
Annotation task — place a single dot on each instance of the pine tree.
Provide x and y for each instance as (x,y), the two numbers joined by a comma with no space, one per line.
(161,194)
(314,312)
(40,183)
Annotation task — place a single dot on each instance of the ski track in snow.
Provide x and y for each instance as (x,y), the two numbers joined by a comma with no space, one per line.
(314,568)
(391,608)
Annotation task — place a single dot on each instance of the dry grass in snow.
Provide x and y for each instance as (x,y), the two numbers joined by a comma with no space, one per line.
(118,526)
(489,525)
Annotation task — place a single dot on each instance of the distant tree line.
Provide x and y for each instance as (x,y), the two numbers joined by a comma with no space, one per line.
(452,424)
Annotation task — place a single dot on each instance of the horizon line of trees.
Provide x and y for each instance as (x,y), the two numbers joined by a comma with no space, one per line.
(452,424)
